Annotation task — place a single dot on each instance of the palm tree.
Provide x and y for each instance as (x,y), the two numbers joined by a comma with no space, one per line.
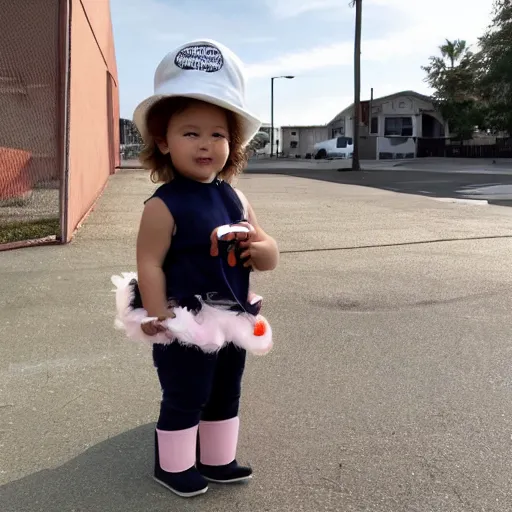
(454,50)
(453,76)
(357,82)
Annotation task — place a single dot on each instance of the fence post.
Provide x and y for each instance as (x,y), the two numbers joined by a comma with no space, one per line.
(63,85)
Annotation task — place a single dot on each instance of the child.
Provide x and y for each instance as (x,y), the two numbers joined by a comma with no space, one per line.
(195,128)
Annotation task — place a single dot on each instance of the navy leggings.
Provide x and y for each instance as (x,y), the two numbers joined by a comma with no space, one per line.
(196,385)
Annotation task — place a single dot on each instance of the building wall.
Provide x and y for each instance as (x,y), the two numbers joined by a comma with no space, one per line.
(349,127)
(300,140)
(367,147)
(309,137)
(93,119)
(408,104)
(342,128)
(341,125)
(267,128)
(396,147)
(98,14)
(288,138)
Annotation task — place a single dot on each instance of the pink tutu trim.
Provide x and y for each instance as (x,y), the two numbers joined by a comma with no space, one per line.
(209,330)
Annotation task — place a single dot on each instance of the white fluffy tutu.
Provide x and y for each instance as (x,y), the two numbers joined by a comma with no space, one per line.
(209,330)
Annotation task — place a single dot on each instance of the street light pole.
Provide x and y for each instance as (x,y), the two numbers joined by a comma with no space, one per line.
(272,117)
(289,77)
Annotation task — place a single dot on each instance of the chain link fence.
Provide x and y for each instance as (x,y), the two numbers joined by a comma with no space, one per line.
(29,134)
(130,143)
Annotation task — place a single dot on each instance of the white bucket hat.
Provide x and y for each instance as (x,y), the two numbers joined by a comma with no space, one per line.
(205,70)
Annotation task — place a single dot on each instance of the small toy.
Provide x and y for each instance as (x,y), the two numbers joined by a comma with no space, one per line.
(228,242)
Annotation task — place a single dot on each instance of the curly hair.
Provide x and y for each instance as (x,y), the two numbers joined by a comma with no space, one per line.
(160,165)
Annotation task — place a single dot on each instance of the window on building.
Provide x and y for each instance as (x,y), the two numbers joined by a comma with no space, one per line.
(374,128)
(293,144)
(398,126)
(294,133)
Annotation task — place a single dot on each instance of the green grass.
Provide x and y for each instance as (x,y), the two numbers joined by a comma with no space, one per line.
(29,230)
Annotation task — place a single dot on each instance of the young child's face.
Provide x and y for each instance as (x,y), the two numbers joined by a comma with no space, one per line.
(198,141)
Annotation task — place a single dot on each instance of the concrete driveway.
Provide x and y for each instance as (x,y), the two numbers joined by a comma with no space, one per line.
(389,388)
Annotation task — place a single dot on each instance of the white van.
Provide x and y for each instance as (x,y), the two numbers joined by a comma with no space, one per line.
(340,147)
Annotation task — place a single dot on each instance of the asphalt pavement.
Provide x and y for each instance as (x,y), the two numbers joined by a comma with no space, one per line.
(388,390)
(482,181)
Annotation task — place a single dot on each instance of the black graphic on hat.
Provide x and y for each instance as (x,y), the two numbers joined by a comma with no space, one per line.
(201,57)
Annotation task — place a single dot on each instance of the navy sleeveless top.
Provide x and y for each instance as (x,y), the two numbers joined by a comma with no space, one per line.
(198,208)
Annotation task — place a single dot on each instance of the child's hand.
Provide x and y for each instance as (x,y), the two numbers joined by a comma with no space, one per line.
(239,237)
(153,326)
(254,251)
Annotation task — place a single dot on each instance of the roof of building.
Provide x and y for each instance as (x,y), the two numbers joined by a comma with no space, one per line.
(382,98)
(298,126)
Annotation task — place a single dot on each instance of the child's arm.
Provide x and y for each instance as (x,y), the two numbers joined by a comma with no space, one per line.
(153,242)
(261,248)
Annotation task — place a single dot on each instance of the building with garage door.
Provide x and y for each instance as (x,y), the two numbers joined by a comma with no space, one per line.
(399,124)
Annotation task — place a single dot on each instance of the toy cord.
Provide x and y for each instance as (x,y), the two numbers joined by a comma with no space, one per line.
(259,327)
(226,280)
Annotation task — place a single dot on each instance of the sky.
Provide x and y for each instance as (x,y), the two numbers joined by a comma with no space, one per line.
(313,42)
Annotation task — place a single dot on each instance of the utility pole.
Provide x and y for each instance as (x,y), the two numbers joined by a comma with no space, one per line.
(357,83)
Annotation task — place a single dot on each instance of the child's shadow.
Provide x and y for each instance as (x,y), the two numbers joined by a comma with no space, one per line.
(114,475)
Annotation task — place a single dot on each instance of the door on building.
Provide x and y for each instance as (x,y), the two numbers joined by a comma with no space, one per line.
(110,124)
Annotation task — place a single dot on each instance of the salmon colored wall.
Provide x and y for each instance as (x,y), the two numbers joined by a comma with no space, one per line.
(98,14)
(92,56)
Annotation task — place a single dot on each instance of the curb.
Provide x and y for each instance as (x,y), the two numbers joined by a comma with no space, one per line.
(474,202)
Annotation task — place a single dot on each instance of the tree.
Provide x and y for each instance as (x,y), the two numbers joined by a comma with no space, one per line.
(495,66)
(357,82)
(456,93)
(454,50)
(259,141)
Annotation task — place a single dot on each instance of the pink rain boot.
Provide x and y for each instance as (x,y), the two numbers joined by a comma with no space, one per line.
(217,447)
(174,462)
